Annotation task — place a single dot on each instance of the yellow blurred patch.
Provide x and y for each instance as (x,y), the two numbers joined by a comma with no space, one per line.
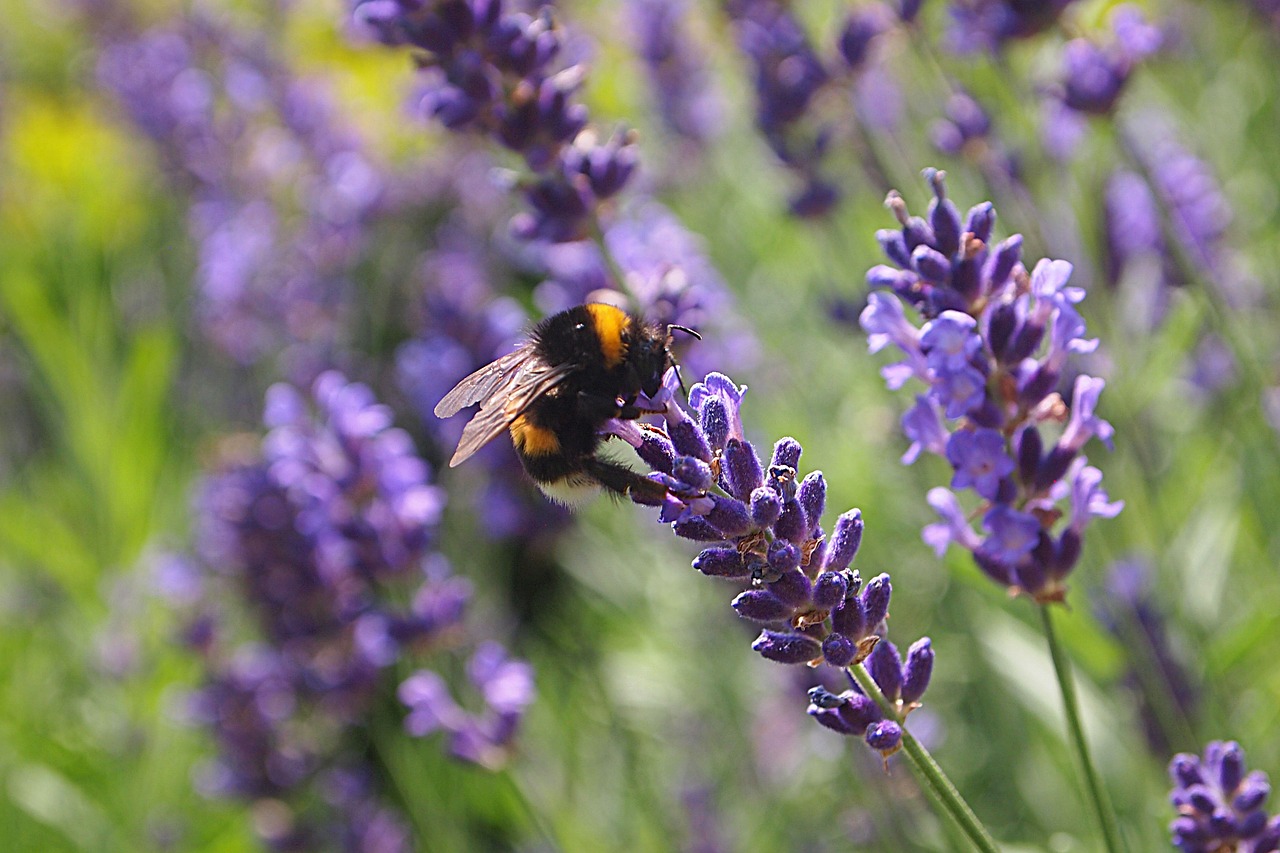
(65,167)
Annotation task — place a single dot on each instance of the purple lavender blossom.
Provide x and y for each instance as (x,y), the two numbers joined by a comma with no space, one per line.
(507,689)
(1095,74)
(991,352)
(761,525)
(245,137)
(985,25)
(1219,805)
(313,533)
(494,72)
(787,73)
(678,77)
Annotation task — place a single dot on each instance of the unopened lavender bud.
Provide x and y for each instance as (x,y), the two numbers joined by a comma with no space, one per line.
(932,265)
(743,468)
(761,605)
(783,556)
(875,600)
(1000,328)
(766,506)
(657,451)
(688,439)
(831,719)
(886,669)
(918,670)
(722,563)
(824,698)
(786,648)
(696,528)
(791,524)
(860,711)
(793,587)
(812,495)
(829,590)
(1068,551)
(1231,768)
(844,542)
(1252,793)
(693,471)
(848,619)
(981,220)
(838,650)
(885,736)
(1185,770)
(786,453)
(1004,259)
(729,516)
(1030,449)
(715,422)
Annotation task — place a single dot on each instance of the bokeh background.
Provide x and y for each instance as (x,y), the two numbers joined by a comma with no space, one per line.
(158,275)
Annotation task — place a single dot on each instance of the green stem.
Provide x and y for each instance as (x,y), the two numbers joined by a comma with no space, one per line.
(928,771)
(1070,703)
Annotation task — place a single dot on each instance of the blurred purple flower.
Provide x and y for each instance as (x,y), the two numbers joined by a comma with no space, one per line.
(311,534)
(1157,672)
(687,102)
(494,72)
(985,25)
(1219,805)
(281,191)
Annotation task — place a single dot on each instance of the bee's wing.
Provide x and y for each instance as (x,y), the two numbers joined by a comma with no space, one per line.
(504,390)
(485,382)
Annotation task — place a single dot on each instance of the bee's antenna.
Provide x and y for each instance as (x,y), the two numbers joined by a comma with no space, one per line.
(679,375)
(690,332)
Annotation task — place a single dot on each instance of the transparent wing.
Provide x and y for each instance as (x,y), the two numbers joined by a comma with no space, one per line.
(485,382)
(504,390)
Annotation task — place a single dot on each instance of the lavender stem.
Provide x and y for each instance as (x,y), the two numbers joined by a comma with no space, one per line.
(928,771)
(1070,703)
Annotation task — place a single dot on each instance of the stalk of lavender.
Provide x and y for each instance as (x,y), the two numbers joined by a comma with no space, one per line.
(312,535)
(991,351)
(761,526)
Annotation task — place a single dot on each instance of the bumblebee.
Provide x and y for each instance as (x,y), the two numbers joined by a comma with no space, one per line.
(577,370)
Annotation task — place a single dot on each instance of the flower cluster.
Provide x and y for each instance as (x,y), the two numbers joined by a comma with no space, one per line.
(686,102)
(987,24)
(854,713)
(1094,75)
(281,190)
(789,75)
(492,71)
(314,534)
(991,352)
(1220,806)
(762,525)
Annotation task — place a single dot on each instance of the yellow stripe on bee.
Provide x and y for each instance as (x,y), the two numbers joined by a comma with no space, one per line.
(610,322)
(533,440)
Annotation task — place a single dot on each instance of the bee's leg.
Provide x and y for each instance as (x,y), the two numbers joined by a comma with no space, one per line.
(623,481)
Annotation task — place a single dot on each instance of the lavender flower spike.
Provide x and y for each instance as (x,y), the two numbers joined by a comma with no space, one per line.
(992,346)
(762,526)
(1220,807)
